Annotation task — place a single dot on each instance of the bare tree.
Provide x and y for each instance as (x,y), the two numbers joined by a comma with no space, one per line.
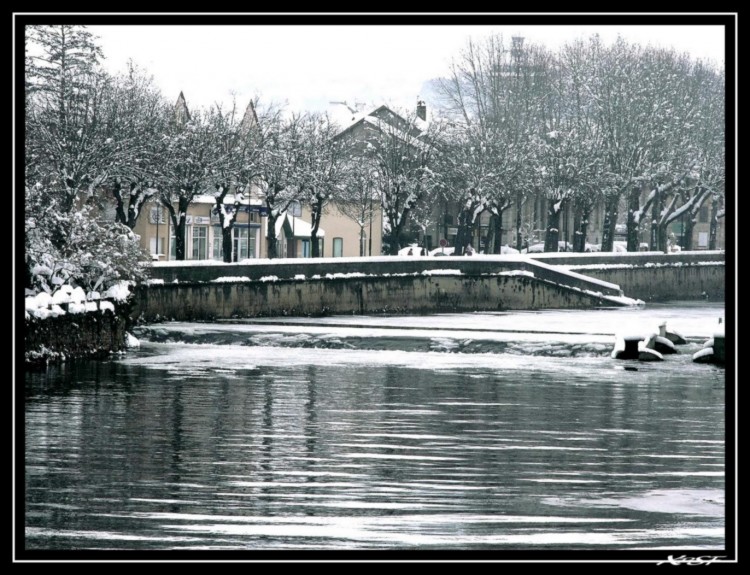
(323,169)
(189,157)
(495,92)
(280,163)
(358,200)
(138,117)
(401,151)
(236,167)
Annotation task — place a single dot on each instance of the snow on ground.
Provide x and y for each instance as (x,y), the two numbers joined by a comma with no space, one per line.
(44,305)
(131,340)
(692,319)
(224,279)
(446,272)
(349,275)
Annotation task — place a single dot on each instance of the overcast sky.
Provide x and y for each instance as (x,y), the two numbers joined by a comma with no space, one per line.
(309,66)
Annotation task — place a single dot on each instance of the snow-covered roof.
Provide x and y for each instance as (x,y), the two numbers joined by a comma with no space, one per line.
(300,227)
(341,115)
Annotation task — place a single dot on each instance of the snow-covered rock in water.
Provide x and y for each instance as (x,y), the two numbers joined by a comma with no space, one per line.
(706,355)
(131,341)
(107,305)
(93,295)
(661,344)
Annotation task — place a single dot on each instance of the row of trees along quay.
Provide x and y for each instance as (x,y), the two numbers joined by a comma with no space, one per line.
(630,127)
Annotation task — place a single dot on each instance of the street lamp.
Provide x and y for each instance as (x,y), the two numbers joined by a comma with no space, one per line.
(370,238)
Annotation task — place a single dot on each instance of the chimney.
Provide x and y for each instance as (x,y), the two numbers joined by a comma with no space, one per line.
(421,110)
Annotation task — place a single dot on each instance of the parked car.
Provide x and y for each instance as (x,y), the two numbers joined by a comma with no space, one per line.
(506,249)
(534,249)
(442,252)
(592,247)
(413,250)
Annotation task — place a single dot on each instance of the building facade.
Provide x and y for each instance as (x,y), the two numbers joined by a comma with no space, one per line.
(339,235)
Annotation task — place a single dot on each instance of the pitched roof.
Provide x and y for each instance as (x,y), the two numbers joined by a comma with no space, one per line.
(181,112)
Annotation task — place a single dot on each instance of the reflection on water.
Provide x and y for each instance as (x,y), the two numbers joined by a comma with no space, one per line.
(232,442)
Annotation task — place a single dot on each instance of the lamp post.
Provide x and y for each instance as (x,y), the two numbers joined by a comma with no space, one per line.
(158,218)
(370,238)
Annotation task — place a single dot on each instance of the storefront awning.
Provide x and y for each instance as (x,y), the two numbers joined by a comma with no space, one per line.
(297,226)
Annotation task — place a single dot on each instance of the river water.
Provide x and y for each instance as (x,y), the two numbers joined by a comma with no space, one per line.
(496,431)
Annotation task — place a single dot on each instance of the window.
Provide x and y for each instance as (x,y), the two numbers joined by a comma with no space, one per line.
(306,249)
(338,247)
(156,245)
(172,244)
(218,253)
(251,242)
(200,242)
(239,244)
(703,215)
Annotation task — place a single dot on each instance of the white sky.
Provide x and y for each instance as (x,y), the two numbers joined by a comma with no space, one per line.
(309,66)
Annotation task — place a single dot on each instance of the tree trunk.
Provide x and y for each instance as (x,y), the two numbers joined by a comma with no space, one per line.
(655,243)
(226,243)
(394,240)
(120,216)
(316,215)
(465,228)
(464,233)
(178,223)
(552,235)
(662,243)
(581,226)
(633,225)
(496,226)
(714,222)
(519,207)
(179,233)
(610,221)
(687,232)
(271,240)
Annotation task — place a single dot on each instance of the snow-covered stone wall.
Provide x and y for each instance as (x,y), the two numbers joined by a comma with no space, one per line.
(71,323)
(74,335)
(664,281)
(425,292)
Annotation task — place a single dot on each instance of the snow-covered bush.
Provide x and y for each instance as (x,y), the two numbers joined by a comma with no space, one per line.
(76,248)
